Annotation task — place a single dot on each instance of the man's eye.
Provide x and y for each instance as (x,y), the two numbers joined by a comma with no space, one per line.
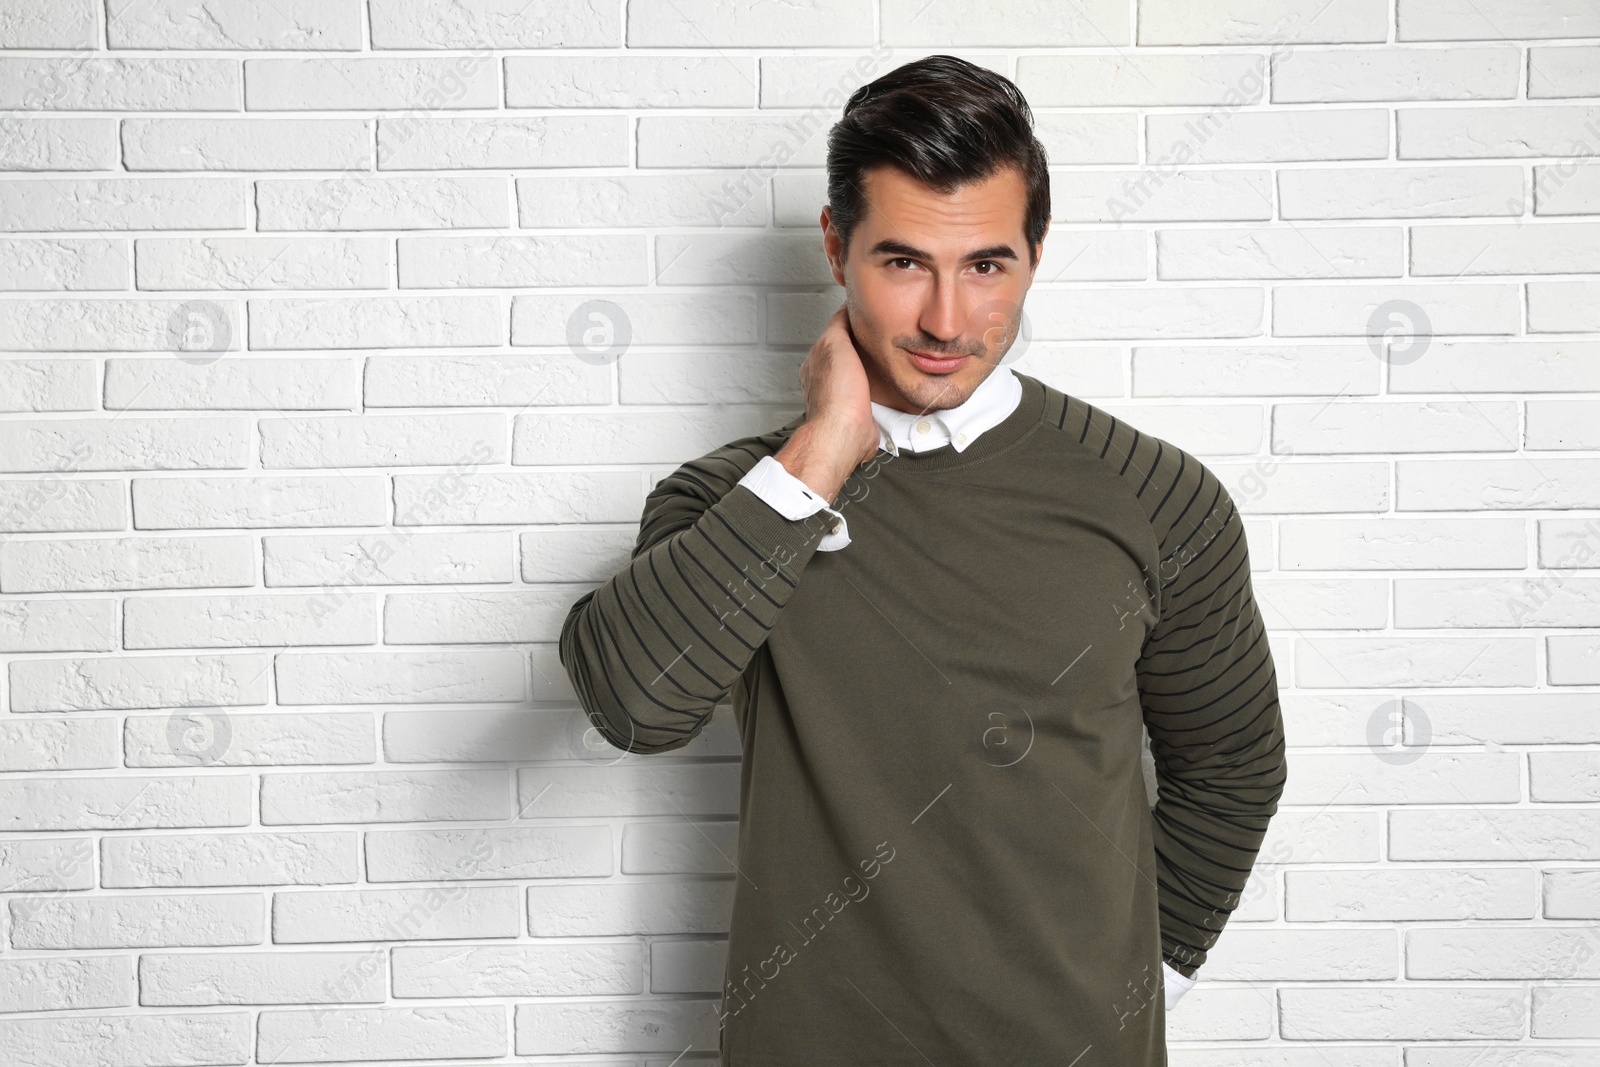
(901,259)
(988,263)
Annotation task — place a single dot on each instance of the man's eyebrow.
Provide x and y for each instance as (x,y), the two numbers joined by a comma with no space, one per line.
(889,246)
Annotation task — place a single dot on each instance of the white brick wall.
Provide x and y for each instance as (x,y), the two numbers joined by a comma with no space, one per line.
(299,472)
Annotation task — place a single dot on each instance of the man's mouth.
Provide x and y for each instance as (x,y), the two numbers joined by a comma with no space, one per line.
(936,364)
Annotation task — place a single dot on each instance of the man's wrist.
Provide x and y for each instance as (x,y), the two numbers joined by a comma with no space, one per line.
(813,456)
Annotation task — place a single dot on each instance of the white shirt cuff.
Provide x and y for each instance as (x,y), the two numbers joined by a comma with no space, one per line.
(1176,984)
(793,499)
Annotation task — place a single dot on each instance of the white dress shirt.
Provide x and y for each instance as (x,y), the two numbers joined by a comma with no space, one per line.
(995,398)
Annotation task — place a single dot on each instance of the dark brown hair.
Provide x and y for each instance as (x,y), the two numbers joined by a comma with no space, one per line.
(945,122)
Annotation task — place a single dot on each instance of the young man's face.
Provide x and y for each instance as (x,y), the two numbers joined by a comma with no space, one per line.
(934,275)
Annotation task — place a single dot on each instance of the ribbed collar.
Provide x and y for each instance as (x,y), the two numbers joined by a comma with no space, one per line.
(996,397)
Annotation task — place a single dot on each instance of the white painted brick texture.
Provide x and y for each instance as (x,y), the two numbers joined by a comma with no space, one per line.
(300,471)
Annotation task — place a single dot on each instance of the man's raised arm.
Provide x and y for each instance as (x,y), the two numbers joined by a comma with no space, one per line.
(653,650)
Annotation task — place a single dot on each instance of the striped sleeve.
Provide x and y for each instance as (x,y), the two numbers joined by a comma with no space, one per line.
(658,645)
(1209,692)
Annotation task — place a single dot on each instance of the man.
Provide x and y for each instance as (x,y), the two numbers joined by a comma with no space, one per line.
(946,853)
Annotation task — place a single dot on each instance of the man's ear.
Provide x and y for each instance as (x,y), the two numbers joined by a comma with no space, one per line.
(832,246)
(1038,255)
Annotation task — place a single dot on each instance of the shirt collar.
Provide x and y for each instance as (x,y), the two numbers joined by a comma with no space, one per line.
(996,397)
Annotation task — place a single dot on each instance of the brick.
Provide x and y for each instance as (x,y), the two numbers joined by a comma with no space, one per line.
(286,1036)
(1404,895)
(370,84)
(57,745)
(1496,484)
(1402,544)
(1265,252)
(609,1026)
(1494,834)
(389,203)
(1573,70)
(235,739)
(58,625)
(474,617)
(402,557)
(1476,20)
(221,1037)
(715,198)
(484,380)
(543,143)
(1394,427)
(698,377)
(611,909)
(1405,1014)
(376,322)
(404,677)
(91,564)
(575,554)
(522,262)
(680,847)
(263,263)
(100,444)
(519,970)
(461,441)
(141,921)
(321,25)
(308,915)
(636,81)
(125,802)
(569,792)
(232,384)
(1400,192)
(1367,310)
(49,24)
(105,684)
(1253,370)
(266,502)
(58,144)
(688,966)
(1422,661)
(1571,894)
(204,979)
(1141,80)
(245,859)
(1505,132)
(1564,307)
(646,437)
(246,621)
(383,796)
(89,83)
(246,144)
(99,204)
(54,505)
(1359,75)
(1173,22)
(725,24)
(46,864)
(519,852)
(47,385)
(66,984)
(1269,136)
(64,263)
(495,24)
(109,325)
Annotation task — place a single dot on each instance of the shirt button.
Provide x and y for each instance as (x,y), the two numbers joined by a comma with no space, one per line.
(961,438)
(837,525)
(922,426)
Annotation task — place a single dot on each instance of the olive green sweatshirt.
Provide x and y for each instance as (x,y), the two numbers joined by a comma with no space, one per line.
(945,852)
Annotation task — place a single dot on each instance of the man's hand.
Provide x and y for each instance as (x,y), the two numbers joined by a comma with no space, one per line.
(839,433)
